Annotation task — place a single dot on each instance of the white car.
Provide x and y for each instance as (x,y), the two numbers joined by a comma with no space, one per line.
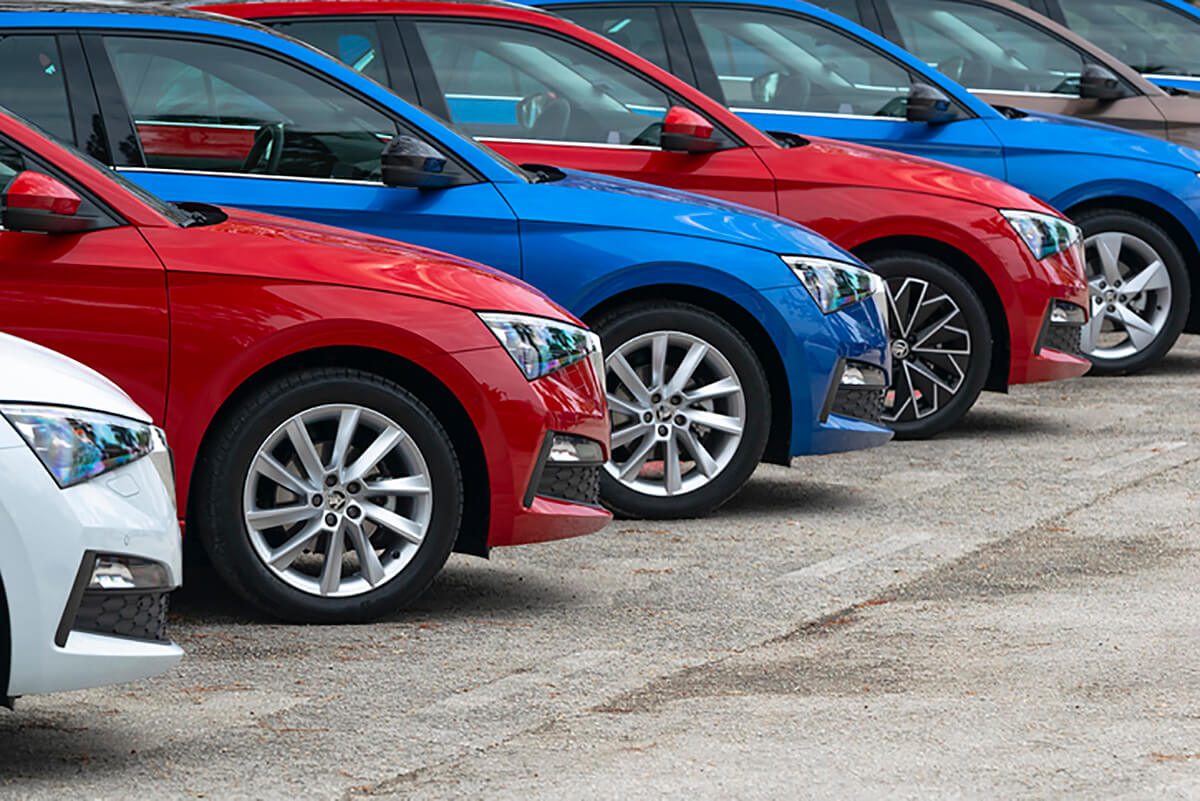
(89,536)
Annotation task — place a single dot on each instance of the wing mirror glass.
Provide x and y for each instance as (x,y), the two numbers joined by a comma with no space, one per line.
(411,162)
(686,131)
(1099,83)
(34,202)
(929,104)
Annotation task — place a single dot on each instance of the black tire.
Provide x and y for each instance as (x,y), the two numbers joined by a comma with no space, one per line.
(1099,221)
(911,412)
(218,507)
(625,325)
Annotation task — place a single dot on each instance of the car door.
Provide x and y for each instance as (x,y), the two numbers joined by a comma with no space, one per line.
(1010,60)
(538,97)
(785,71)
(218,122)
(99,297)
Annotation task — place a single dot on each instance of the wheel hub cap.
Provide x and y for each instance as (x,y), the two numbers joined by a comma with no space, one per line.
(900,349)
(335,501)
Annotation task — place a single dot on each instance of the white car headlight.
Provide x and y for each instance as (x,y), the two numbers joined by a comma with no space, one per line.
(76,444)
(541,346)
(834,285)
(1044,234)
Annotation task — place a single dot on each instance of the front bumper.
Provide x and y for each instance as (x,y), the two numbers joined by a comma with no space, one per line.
(47,532)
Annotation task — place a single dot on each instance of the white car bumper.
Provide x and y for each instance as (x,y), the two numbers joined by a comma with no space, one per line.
(46,533)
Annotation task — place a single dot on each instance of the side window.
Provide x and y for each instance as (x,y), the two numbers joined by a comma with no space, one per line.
(987,49)
(11,163)
(768,61)
(509,82)
(843,8)
(635,28)
(1149,36)
(32,83)
(218,108)
(354,42)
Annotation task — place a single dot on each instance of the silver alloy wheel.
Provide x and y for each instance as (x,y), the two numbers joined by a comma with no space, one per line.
(931,349)
(1130,291)
(332,476)
(678,412)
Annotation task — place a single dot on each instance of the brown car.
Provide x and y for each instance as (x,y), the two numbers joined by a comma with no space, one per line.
(1009,55)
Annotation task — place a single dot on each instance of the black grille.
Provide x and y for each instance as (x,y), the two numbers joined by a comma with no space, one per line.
(141,615)
(1066,338)
(576,483)
(861,403)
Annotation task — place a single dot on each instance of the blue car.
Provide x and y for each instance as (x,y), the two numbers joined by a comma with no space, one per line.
(731,335)
(794,68)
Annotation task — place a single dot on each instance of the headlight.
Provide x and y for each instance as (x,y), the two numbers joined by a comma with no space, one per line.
(1044,234)
(834,284)
(540,346)
(75,444)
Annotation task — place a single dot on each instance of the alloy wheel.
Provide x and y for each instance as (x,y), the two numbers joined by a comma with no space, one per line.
(1130,291)
(931,349)
(337,500)
(678,413)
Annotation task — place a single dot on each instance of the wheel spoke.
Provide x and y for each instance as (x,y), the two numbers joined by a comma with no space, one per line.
(631,468)
(628,434)
(406,528)
(1091,331)
(408,485)
(929,375)
(281,516)
(1153,276)
(266,465)
(347,424)
(331,571)
(671,467)
(622,406)
(1141,333)
(282,557)
(629,377)
(704,461)
(658,360)
(906,323)
(374,454)
(683,374)
(720,422)
(944,323)
(368,560)
(717,389)
(298,435)
(1108,249)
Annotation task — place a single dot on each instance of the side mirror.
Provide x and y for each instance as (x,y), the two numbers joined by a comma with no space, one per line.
(409,162)
(686,131)
(1099,83)
(35,202)
(929,104)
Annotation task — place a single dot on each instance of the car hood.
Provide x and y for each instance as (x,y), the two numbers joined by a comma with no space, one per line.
(283,249)
(588,200)
(1079,136)
(834,162)
(32,374)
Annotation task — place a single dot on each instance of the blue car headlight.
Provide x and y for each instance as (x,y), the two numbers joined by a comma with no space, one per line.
(1044,234)
(76,444)
(540,346)
(834,285)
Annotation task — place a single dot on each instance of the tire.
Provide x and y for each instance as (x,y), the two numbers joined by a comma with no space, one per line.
(629,335)
(1124,246)
(917,406)
(244,517)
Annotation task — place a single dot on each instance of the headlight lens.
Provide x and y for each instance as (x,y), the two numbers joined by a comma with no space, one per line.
(1044,234)
(75,444)
(540,346)
(834,284)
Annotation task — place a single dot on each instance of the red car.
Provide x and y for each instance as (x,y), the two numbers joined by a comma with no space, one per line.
(344,410)
(986,282)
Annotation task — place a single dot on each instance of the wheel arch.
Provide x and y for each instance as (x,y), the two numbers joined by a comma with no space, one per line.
(5,646)
(1175,229)
(442,402)
(969,269)
(779,439)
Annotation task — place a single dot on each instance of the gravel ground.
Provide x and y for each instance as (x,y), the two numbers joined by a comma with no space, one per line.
(1005,611)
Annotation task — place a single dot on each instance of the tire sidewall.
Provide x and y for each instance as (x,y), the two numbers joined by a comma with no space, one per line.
(224,530)
(617,329)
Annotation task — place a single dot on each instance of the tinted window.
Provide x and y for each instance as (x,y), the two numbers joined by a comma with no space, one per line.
(32,83)
(508,82)
(11,163)
(767,61)
(983,48)
(843,8)
(353,42)
(635,28)
(1148,36)
(212,107)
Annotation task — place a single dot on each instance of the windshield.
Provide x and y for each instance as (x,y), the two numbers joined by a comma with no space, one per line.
(1148,36)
